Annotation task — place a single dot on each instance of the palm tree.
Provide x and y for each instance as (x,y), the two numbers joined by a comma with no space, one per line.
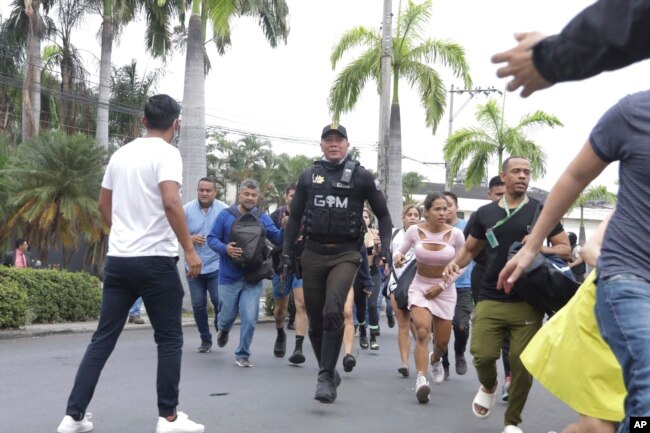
(272,15)
(591,196)
(53,184)
(30,27)
(71,13)
(129,91)
(492,140)
(411,183)
(412,55)
(115,15)
(11,59)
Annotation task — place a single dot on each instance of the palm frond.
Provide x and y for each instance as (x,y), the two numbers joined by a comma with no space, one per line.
(431,90)
(356,37)
(347,87)
(447,53)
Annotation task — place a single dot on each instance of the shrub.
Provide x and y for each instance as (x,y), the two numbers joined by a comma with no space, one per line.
(57,296)
(13,304)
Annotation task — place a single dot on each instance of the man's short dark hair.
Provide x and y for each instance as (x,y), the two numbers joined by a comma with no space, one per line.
(291,186)
(495,181)
(504,165)
(19,243)
(451,195)
(161,111)
(207,179)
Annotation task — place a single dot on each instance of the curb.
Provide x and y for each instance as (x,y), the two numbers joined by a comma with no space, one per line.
(43,330)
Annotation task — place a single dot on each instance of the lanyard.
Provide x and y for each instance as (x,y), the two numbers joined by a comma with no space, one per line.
(509,214)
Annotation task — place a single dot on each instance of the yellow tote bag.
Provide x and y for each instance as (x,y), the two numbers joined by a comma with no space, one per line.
(569,357)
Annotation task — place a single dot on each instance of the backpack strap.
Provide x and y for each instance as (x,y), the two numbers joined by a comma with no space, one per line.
(392,238)
(233,212)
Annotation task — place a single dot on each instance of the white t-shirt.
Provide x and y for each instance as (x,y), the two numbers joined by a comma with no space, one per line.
(140,227)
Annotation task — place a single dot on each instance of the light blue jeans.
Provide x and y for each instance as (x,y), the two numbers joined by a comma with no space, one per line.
(200,287)
(622,310)
(136,307)
(241,298)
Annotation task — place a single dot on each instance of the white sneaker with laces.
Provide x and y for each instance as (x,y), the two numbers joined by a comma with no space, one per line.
(69,425)
(437,372)
(422,388)
(182,424)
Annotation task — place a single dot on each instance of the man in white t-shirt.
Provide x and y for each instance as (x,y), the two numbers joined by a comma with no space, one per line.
(140,202)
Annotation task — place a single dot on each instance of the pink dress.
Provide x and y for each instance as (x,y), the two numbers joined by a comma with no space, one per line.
(444,304)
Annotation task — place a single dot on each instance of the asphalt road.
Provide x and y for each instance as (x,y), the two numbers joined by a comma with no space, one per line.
(272,397)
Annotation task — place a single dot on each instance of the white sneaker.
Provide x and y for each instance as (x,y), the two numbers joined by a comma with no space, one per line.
(69,425)
(182,424)
(437,372)
(422,388)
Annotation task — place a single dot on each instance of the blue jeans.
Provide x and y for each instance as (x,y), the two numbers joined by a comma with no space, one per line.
(241,298)
(136,307)
(200,287)
(156,279)
(622,310)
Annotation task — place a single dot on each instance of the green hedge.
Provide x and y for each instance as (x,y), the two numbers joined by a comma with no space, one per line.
(52,296)
(13,304)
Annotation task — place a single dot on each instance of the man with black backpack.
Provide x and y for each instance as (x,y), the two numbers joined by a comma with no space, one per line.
(331,197)
(239,235)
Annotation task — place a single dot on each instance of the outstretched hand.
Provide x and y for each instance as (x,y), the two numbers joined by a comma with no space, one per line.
(519,65)
(515,266)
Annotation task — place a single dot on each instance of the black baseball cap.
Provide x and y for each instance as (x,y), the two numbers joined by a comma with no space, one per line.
(334,127)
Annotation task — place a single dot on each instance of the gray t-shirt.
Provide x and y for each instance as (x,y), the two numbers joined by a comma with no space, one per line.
(623,134)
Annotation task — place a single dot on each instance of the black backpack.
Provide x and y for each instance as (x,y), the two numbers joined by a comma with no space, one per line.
(249,234)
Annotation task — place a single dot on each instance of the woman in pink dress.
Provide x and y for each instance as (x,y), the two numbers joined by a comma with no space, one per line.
(431,300)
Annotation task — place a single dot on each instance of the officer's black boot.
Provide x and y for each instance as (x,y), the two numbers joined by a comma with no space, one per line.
(328,378)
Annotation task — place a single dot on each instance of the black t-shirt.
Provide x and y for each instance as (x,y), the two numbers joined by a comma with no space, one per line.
(481,257)
(513,230)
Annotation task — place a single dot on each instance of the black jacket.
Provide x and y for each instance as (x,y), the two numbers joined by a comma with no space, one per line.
(607,35)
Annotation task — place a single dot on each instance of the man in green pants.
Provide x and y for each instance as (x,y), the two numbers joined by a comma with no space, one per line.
(496,227)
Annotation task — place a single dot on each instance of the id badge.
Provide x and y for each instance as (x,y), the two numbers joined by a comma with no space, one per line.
(492,240)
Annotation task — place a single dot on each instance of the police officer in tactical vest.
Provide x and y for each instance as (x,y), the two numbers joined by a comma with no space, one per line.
(331,196)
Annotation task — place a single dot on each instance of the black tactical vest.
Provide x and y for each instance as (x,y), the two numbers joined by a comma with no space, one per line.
(334,211)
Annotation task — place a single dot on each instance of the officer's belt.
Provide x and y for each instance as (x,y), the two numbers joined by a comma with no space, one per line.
(331,249)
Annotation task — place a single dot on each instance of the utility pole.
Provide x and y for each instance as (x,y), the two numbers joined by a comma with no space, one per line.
(384,98)
(472,92)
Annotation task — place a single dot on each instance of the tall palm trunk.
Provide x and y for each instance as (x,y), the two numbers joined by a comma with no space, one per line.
(394,188)
(192,139)
(31,111)
(65,107)
(101,133)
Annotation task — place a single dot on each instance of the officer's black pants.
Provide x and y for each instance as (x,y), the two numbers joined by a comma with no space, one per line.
(326,282)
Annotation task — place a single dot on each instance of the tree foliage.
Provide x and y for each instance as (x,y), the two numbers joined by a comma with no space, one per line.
(53,183)
(491,140)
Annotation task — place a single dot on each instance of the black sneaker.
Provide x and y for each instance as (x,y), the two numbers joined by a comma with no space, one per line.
(391,321)
(363,341)
(461,364)
(291,326)
(280,347)
(349,361)
(297,357)
(222,338)
(205,347)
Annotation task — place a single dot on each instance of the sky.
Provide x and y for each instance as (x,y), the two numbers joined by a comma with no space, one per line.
(282,92)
